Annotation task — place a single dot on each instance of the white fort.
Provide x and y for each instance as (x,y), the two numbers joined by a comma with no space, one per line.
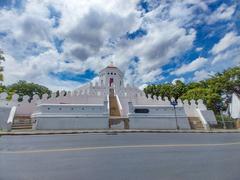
(107,103)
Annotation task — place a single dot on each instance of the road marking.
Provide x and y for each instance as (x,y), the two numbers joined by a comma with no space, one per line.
(117,147)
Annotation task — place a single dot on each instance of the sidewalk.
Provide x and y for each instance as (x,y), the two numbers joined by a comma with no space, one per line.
(48,132)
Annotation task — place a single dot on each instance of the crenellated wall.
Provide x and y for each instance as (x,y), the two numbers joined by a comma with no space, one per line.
(97,94)
(27,107)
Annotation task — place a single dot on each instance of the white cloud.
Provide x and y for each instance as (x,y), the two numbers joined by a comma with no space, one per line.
(199,49)
(193,66)
(143,86)
(228,40)
(92,29)
(226,50)
(36,70)
(224,12)
(201,75)
(227,58)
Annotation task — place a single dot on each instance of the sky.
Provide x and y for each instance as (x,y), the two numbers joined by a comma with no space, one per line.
(64,44)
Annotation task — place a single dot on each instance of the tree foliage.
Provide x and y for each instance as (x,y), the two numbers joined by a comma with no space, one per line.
(24,88)
(1,68)
(213,90)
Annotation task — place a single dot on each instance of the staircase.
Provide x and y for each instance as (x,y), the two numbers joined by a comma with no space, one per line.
(114,109)
(22,122)
(195,123)
(115,115)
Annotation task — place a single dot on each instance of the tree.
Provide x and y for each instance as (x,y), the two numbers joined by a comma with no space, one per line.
(2,89)
(1,67)
(217,88)
(178,89)
(209,97)
(24,88)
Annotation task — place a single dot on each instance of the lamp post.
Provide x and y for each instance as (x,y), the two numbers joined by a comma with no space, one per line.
(174,103)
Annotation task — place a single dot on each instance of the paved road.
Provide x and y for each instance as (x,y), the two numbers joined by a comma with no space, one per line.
(122,156)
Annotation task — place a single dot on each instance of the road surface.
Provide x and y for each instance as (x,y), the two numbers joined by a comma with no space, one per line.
(140,156)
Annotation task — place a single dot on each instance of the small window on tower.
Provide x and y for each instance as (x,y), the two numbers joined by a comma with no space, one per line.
(114,73)
(111,73)
(108,73)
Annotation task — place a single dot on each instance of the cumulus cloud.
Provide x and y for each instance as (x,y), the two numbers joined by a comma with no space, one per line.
(193,66)
(224,12)
(227,49)
(201,75)
(94,32)
(228,40)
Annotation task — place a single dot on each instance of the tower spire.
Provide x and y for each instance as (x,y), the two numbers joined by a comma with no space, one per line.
(111,64)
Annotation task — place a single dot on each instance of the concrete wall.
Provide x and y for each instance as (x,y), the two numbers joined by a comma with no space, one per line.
(70,116)
(208,116)
(158,117)
(235,107)
(151,122)
(26,108)
(70,122)
(4,115)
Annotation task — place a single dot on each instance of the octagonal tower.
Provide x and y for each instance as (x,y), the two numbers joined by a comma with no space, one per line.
(110,76)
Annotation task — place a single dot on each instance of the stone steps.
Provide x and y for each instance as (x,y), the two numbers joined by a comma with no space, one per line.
(114,109)
(115,115)
(195,123)
(22,122)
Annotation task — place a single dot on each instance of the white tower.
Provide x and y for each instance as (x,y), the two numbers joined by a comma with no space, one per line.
(111,76)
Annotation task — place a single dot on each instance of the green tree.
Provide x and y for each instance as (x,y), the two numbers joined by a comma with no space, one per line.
(24,88)
(217,88)
(209,97)
(178,89)
(2,89)
(1,67)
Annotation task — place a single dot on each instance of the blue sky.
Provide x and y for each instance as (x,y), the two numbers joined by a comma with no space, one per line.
(64,44)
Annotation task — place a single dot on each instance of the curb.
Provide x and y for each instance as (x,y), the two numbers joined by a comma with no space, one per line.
(38,132)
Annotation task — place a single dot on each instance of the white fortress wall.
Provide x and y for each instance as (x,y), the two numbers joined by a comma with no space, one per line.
(6,117)
(27,107)
(198,109)
(71,116)
(157,117)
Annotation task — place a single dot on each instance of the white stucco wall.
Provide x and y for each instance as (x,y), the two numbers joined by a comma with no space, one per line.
(26,108)
(71,116)
(235,107)
(4,116)
(158,117)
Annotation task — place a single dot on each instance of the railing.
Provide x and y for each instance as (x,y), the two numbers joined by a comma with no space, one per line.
(11,117)
(108,104)
(119,105)
(203,120)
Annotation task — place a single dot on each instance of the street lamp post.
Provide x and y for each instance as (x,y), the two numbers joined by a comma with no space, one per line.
(174,103)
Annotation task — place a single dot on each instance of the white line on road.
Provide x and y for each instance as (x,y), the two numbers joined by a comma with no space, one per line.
(117,147)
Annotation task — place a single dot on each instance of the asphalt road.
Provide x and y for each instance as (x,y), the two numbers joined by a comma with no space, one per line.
(122,156)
